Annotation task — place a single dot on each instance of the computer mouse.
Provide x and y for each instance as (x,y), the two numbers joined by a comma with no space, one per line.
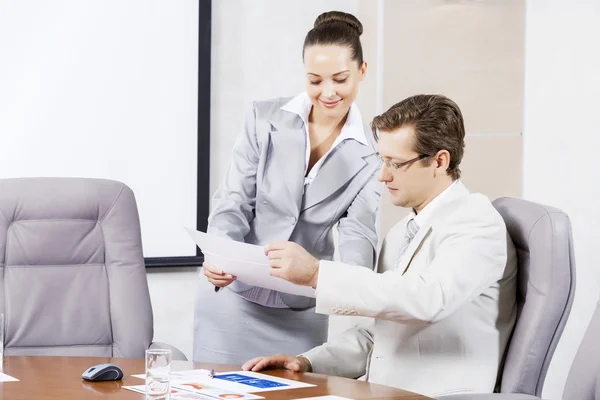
(102,372)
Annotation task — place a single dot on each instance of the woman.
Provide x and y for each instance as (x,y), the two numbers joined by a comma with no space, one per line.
(300,166)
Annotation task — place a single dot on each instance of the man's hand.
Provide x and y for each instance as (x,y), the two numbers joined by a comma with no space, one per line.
(216,276)
(296,364)
(291,262)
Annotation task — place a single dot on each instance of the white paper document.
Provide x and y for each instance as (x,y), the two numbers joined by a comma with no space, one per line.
(254,382)
(178,394)
(242,382)
(247,262)
(7,378)
(324,398)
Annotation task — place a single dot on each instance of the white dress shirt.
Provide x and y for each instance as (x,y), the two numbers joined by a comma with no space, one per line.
(352,129)
(427,212)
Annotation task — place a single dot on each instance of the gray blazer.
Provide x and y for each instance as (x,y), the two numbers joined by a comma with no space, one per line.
(262,197)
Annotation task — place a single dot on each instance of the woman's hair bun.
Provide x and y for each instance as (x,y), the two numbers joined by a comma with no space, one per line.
(339,17)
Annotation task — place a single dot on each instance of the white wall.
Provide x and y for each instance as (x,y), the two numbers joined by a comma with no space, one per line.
(561,137)
(172,292)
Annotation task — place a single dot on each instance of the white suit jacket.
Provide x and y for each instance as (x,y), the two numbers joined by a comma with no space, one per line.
(441,316)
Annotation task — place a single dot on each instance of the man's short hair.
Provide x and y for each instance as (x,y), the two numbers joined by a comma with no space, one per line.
(438,125)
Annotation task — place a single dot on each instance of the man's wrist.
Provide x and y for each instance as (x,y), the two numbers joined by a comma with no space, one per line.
(305,363)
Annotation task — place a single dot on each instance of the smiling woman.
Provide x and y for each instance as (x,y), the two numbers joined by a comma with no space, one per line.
(301,166)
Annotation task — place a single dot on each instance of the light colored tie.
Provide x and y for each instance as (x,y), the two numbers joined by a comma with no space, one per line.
(411,230)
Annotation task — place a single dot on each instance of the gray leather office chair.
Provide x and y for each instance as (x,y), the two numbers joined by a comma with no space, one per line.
(583,381)
(546,287)
(72,275)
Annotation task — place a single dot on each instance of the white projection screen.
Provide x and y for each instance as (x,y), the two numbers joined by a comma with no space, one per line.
(115,89)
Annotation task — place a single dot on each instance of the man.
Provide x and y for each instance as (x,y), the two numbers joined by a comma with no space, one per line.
(443,300)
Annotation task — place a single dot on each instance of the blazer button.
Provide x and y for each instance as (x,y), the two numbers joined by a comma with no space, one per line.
(292,220)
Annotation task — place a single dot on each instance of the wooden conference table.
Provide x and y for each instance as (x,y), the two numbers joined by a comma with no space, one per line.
(60,378)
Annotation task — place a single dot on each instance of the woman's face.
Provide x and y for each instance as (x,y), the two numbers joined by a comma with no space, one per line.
(332,79)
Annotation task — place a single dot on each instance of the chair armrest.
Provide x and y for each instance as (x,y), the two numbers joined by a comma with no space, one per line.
(176,353)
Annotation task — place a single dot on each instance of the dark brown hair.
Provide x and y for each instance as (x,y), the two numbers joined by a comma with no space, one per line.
(438,125)
(337,28)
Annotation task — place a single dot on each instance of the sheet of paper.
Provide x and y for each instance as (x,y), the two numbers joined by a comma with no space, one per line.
(190,374)
(181,395)
(142,389)
(195,390)
(7,378)
(215,392)
(176,394)
(254,382)
(324,398)
(199,382)
(246,261)
(235,381)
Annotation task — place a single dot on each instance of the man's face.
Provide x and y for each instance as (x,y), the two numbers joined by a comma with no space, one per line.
(410,185)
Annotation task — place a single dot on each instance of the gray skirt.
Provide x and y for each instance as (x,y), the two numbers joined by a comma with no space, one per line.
(229,329)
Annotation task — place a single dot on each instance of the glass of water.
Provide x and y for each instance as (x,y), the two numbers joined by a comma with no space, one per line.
(158,374)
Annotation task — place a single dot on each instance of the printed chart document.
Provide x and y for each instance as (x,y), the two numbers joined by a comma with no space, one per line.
(175,393)
(254,382)
(324,398)
(195,384)
(246,261)
(215,392)
(242,383)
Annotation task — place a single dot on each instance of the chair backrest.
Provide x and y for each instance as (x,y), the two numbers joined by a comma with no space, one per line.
(583,382)
(545,290)
(72,275)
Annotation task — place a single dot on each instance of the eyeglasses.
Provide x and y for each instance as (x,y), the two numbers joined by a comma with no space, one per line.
(391,164)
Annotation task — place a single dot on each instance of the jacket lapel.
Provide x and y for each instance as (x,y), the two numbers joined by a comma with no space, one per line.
(288,139)
(408,255)
(340,166)
(457,191)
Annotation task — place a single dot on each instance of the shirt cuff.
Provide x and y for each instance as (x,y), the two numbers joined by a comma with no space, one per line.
(309,360)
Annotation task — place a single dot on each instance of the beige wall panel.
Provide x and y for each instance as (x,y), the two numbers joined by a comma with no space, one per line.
(367,96)
(492,165)
(471,51)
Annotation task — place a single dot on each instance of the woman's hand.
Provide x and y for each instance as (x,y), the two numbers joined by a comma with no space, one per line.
(216,276)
